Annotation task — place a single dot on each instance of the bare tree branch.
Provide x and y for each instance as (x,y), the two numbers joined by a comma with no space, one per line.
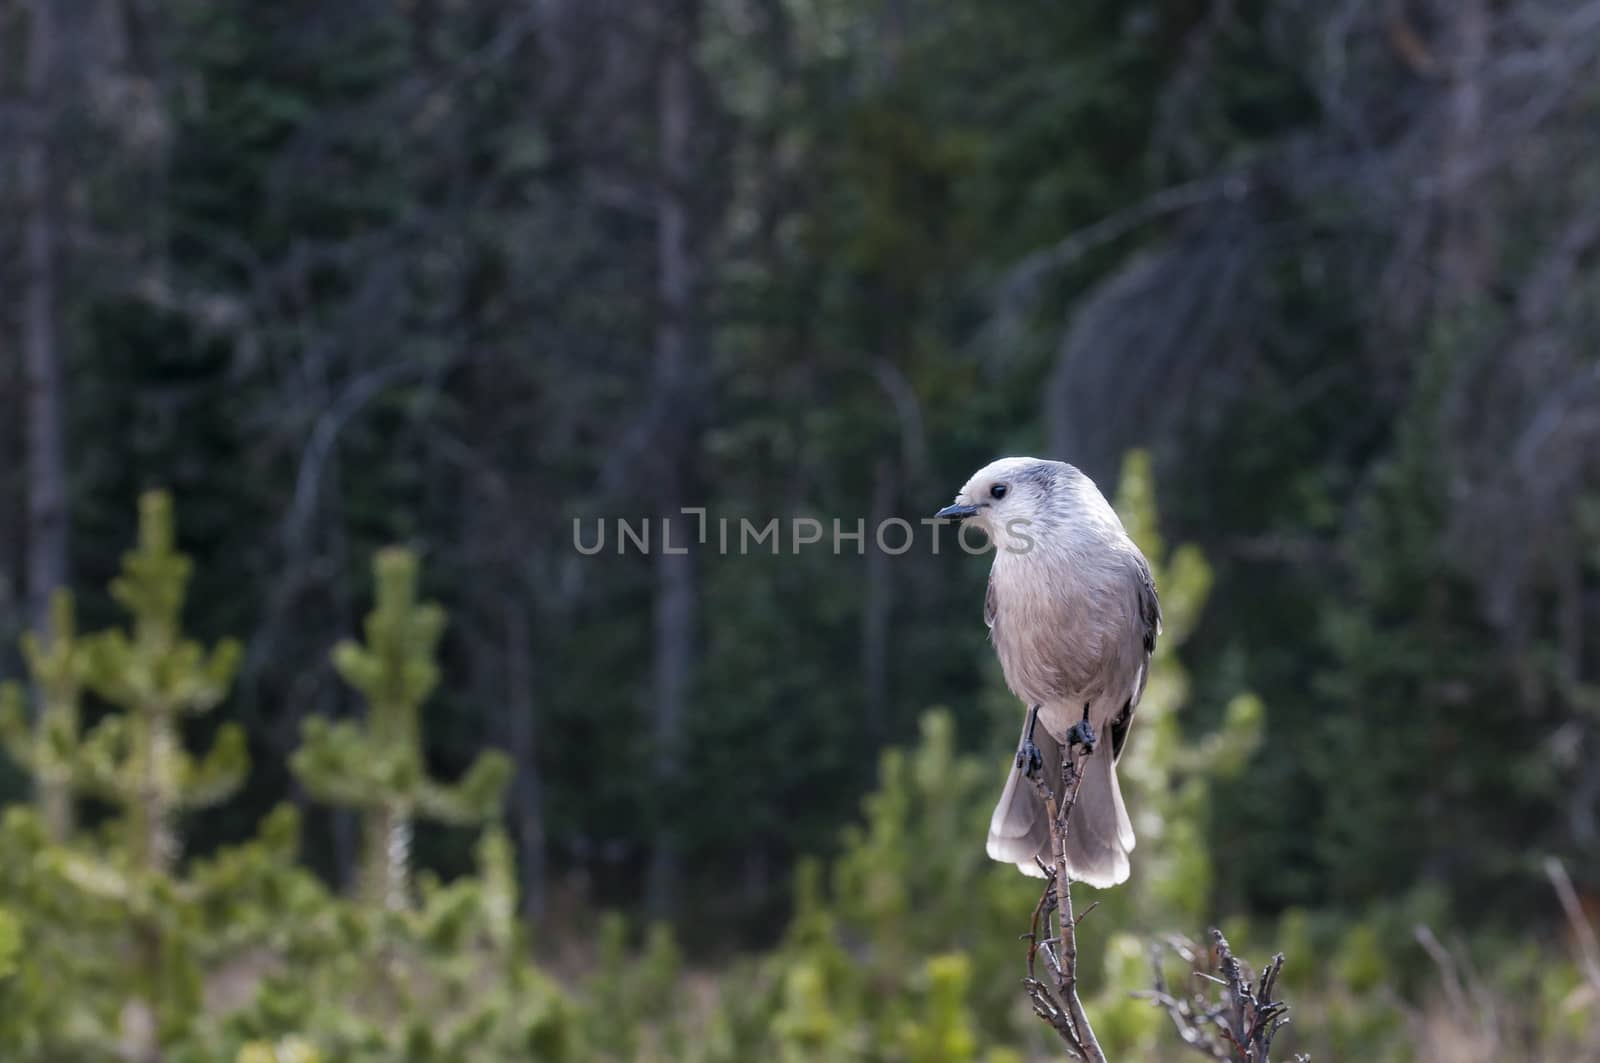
(1236,1025)
(1056,1001)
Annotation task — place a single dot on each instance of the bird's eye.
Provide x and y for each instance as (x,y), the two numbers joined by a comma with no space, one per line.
(997,491)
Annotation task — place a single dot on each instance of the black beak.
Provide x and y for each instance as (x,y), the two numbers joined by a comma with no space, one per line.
(956,512)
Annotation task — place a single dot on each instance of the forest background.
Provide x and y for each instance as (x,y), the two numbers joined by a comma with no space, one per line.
(1311,287)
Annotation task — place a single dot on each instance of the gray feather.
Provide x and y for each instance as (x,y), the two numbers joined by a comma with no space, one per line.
(1099,833)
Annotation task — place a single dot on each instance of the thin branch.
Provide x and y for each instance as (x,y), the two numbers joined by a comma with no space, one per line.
(1056,1001)
(1239,1024)
(1582,930)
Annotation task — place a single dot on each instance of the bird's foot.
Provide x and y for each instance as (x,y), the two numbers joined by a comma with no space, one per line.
(1029,759)
(1082,734)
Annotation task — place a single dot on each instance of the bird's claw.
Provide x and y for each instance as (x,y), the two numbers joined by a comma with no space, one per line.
(1029,759)
(1082,734)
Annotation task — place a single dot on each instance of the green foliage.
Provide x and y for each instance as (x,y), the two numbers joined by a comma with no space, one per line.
(128,947)
(136,759)
(923,963)
(377,765)
(49,747)
(447,981)
(10,943)
(640,980)
(288,1050)
(122,893)
(902,949)
(1168,769)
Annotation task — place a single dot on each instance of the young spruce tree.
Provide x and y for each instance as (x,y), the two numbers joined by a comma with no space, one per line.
(377,765)
(136,759)
(48,746)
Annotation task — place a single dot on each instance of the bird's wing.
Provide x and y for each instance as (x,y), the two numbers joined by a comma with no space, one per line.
(1149,627)
(1149,606)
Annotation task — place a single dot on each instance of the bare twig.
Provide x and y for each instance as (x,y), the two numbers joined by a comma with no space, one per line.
(1588,949)
(1056,1000)
(1449,976)
(1236,1025)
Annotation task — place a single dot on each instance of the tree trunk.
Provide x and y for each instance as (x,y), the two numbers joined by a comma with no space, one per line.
(44,441)
(676,597)
(387,831)
(1466,249)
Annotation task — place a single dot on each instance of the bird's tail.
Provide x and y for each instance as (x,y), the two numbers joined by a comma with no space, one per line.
(1019,830)
(1099,835)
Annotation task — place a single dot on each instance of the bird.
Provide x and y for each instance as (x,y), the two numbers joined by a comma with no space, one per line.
(1073,614)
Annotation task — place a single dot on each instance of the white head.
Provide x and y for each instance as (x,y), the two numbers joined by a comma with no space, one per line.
(1015,500)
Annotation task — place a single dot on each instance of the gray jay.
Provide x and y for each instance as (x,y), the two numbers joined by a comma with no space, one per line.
(1073,614)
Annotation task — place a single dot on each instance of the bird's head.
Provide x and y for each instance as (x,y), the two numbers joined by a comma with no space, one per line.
(1009,499)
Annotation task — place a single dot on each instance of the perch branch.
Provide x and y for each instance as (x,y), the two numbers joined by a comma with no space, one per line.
(1056,1000)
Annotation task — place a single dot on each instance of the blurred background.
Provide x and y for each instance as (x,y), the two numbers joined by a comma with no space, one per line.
(1310,287)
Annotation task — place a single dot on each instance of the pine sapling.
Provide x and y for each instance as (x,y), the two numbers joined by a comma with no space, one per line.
(136,759)
(48,747)
(377,765)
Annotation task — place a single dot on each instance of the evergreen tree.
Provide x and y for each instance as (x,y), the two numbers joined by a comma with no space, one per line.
(378,765)
(115,917)
(48,748)
(123,937)
(137,759)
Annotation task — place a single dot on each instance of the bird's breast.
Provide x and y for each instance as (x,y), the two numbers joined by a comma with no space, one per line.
(1047,633)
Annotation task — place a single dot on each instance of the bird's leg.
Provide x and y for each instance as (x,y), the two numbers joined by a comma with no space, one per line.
(1082,733)
(1029,759)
